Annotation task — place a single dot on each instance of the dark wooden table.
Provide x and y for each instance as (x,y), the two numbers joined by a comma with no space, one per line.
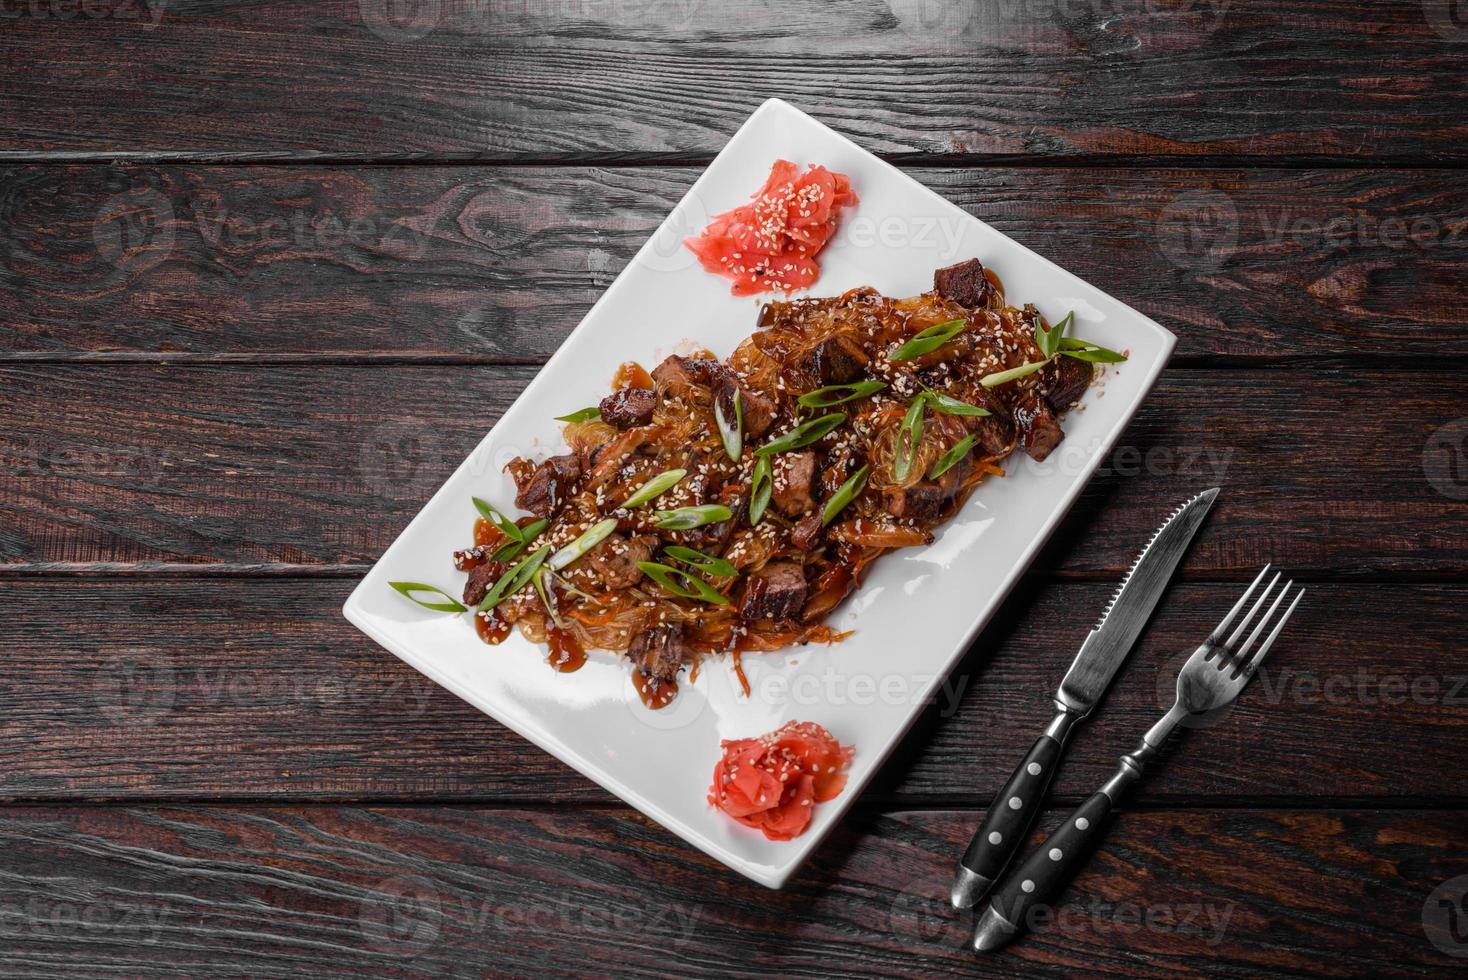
(270,269)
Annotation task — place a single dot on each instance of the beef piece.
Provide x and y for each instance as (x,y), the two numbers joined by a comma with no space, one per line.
(658,651)
(481,580)
(613,563)
(922,501)
(807,534)
(836,360)
(628,408)
(927,500)
(679,371)
(993,433)
(776,591)
(964,284)
(1039,432)
(542,489)
(676,372)
(757,410)
(793,474)
(1064,380)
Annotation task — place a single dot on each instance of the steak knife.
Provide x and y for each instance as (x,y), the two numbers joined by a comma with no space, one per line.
(1008,820)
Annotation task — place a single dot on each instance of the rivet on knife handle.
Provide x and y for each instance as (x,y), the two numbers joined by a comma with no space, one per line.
(1008,820)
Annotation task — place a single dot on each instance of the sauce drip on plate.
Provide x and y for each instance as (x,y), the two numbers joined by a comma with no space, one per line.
(654,693)
(491,628)
(566,653)
(632,375)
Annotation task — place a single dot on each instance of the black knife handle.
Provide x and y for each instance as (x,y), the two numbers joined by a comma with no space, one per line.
(1010,816)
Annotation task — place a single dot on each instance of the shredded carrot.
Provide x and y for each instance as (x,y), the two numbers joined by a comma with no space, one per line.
(739,673)
(579,613)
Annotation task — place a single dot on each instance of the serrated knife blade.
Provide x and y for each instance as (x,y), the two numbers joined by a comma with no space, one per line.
(1108,644)
(1006,824)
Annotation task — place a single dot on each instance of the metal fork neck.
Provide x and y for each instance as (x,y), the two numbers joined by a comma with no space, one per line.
(1134,763)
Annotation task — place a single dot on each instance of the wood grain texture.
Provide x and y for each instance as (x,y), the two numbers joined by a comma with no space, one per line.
(499,79)
(501,263)
(461,892)
(258,690)
(1331,473)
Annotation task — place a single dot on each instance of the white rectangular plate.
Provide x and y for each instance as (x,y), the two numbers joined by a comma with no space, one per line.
(919,609)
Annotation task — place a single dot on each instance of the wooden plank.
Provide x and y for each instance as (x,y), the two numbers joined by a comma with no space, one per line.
(500,78)
(1327,472)
(438,891)
(257,690)
(500,263)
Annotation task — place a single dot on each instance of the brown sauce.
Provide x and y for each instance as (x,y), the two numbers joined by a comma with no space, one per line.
(994,279)
(566,652)
(632,375)
(491,628)
(654,693)
(486,533)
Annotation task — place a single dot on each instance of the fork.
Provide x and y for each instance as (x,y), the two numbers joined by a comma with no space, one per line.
(1210,679)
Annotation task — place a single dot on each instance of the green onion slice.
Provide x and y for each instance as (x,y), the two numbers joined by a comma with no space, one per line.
(507,527)
(833,395)
(687,518)
(408,588)
(585,415)
(654,488)
(514,580)
(950,459)
(545,597)
(1049,340)
(589,539)
(707,564)
(848,492)
(1000,377)
(512,550)
(1083,350)
(761,486)
(929,340)
(674,581)
(731,432)
(804,434)
(952,406)
(908,437)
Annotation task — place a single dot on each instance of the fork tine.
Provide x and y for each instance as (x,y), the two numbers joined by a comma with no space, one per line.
(1232,643)
(1254,661)
(1243,651)
(1217,635)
